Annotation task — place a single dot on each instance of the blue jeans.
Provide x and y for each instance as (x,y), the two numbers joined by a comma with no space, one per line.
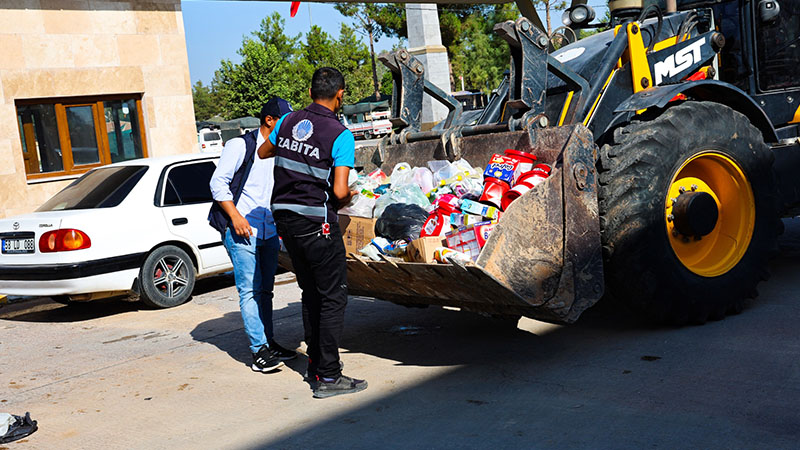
(254,264)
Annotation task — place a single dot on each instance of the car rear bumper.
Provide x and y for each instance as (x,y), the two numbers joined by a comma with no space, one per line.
(107,274)
(48,272)
(114,281)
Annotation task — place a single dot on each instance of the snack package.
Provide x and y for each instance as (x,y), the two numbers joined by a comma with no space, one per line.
(472,207)
(501,168)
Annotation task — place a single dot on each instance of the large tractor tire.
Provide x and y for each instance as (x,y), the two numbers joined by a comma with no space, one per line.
(688,212)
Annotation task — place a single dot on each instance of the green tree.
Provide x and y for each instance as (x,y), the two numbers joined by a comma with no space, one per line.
(205,104)
(246,86)
(474,50)
(366,15)
(276,64)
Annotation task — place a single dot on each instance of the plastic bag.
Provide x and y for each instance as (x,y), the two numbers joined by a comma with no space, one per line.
(401,221)
(360,206)
(352,178)
(444,173)
(408,193)
(401,175)
(423,178)
(437,164)
(21,427)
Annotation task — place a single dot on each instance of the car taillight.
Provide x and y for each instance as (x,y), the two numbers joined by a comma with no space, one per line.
(63,241)
(204,145)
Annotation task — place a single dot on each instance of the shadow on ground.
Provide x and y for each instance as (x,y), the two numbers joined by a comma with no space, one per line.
(604,382)
(227,334)
(45,310)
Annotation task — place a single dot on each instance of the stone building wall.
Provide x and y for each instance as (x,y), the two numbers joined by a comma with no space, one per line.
(66,48)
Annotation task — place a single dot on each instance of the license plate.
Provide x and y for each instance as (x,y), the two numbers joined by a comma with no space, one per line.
(15,246)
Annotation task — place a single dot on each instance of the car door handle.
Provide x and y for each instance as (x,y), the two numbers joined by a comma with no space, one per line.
(180,221)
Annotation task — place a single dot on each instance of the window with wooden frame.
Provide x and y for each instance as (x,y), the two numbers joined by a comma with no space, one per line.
(68,136)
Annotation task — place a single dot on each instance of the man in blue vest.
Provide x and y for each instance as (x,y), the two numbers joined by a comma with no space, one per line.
(242,188)
(313,154)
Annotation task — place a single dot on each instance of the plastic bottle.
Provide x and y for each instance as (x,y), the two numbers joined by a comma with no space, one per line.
(525,165)
(526,182)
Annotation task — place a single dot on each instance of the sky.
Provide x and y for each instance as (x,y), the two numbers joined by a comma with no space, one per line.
(214,30)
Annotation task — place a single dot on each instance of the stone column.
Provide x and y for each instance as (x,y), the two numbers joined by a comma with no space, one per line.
(425,43)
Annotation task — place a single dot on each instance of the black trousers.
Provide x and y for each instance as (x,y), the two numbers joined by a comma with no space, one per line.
(321,270)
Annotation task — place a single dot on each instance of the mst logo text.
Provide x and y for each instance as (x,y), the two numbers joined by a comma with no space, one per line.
(678,62)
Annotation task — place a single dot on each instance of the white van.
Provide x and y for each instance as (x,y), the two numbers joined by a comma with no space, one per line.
(209,141)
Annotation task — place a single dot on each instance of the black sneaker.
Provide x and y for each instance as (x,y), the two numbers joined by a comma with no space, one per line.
(342,385)
(284,354)
(311,375)
(265,360)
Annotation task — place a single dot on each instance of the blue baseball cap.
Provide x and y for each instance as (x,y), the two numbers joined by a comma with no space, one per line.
(275,107)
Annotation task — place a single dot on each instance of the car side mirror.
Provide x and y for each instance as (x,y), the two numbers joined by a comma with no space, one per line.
(768,10)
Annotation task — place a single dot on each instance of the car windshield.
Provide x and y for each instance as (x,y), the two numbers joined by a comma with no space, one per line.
(212,137)
(101,188)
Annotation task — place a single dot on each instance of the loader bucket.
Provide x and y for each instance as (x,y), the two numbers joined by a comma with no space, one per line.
(543,259)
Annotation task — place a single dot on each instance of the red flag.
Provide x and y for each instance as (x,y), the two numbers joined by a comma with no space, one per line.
(295,7)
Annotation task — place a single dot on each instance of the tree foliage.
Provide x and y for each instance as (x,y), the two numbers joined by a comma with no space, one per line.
(206,104)
(273,63)
(366,16)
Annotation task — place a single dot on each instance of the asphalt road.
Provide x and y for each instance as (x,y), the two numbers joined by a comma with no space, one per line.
(113,375)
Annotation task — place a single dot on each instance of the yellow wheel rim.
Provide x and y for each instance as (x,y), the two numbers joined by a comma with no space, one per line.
(719,251)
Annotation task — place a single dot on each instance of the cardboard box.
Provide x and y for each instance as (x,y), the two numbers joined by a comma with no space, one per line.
(421,250)
(357,232)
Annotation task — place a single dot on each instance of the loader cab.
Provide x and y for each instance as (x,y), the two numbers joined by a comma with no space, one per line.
(764,35)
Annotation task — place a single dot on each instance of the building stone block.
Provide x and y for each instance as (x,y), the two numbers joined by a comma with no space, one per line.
(156,21)
(173,48)
(138,49)
(12,57)
(68,20)
(7,156)
(95,51)
(112,18)
(165,80)
(41,51)
(19,20)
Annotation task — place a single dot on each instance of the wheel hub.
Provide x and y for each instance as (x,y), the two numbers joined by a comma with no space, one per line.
(709,214)
(695,214)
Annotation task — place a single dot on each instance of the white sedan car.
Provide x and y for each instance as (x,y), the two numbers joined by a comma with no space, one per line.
(137,226)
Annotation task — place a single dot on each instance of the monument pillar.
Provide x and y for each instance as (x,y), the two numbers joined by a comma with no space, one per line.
(425,43)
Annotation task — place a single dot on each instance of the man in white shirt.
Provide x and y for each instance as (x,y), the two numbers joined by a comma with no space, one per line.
(242,190)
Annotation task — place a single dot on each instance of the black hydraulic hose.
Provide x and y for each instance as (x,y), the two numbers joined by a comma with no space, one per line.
(614,52)
(660,16)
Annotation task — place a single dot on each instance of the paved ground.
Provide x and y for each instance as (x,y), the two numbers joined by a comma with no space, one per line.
(112,375)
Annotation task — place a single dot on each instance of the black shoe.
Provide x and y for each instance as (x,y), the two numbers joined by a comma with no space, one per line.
(342,385)
(311,375)
(284,354)
(265,360)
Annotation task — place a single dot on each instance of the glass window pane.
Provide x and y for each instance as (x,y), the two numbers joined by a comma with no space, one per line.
(99,188)
(212,137)
(192,182)
(22,134)
(82,135)
(122,126)
(778,48)
(40,136)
